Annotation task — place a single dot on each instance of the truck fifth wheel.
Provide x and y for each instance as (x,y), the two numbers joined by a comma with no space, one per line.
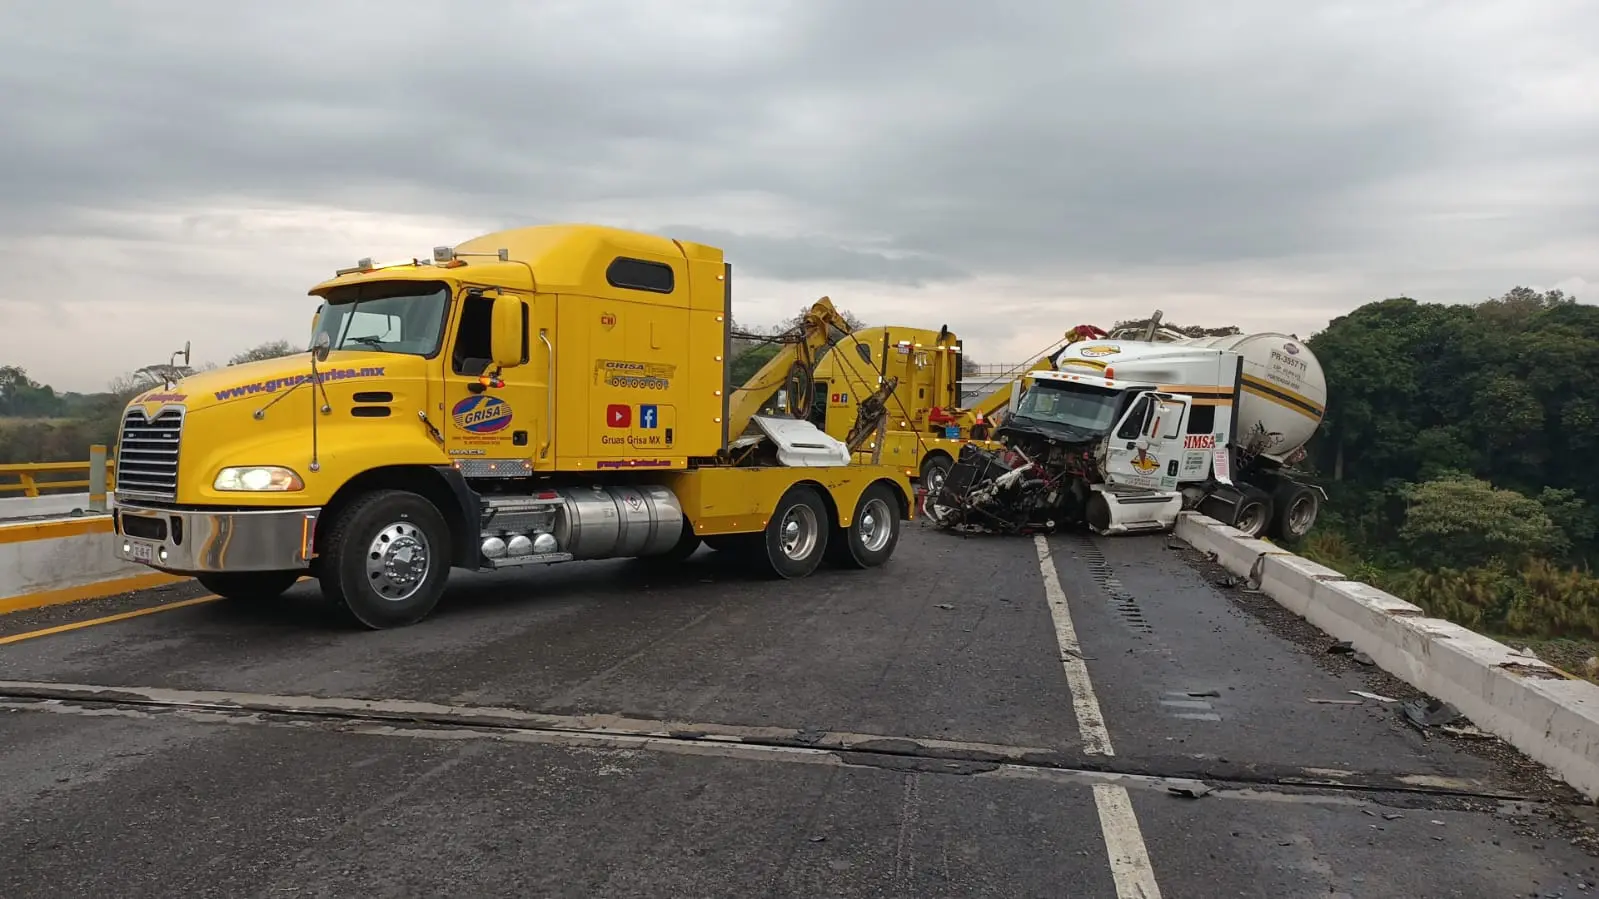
(533,396)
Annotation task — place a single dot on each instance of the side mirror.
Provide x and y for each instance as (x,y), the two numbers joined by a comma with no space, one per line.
(320,347)
(508,331)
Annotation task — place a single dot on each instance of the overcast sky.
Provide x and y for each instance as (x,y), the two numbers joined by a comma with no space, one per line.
(175,171)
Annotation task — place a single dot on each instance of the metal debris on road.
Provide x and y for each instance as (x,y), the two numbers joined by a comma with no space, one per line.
(1189,790)
(1428,712)
(1333,701)
(1377,696)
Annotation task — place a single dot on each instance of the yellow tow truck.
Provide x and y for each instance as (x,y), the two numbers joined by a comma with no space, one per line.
(537,395)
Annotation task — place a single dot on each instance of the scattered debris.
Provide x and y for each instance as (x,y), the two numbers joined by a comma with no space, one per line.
(1470,731)
(1428,712)
(945,606)
(1176,544)
(1229,580)
(1377,696)
(818,839)
(1392,816)
(1204,694)
(1334,701)
(1190,790)
(1342,647)
(1362,659)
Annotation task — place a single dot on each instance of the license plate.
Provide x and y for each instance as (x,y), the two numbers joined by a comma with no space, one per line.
(142,552)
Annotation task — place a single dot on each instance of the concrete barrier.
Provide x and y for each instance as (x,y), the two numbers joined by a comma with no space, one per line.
(1528,703)
(62,560)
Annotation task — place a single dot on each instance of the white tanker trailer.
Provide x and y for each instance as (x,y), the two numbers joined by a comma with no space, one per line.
(1123,434)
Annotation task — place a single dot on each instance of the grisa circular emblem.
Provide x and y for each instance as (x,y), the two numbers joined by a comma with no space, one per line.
(1094,352)
(481,414)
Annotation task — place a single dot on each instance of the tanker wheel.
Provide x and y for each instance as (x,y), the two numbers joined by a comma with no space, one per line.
(248,586)
(1297,508)
(1254,513)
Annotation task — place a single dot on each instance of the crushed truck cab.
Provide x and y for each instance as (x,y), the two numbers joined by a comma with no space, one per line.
(538,395)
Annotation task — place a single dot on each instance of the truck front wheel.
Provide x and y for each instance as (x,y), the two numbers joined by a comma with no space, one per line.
(386,558)
(796,535)
(248,586)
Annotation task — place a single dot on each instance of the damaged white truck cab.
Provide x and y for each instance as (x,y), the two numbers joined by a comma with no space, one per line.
(1125,434)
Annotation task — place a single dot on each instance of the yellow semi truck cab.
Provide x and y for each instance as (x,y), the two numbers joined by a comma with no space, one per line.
(537,395)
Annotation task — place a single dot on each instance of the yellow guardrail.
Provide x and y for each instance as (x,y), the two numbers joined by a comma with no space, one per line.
(29,478)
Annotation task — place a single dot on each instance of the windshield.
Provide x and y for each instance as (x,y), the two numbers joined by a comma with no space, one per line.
(392,317)
(1076,406)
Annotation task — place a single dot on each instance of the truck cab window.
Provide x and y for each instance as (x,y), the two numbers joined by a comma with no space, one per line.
(1137,419)
(386,317)
(473,337)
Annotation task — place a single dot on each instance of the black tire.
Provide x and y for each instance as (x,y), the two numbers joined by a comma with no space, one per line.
(873,531)
(386,518)
(802,509)
(1096,512)
(1297,507)
(248,586)
(1254,513)
(935,468)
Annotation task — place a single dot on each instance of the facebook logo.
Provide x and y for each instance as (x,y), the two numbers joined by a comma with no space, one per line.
(647,417)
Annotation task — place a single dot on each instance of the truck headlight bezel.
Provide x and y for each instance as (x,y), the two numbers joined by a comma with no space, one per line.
(257,479)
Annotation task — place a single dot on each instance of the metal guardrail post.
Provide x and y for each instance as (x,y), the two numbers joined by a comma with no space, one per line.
(97,478)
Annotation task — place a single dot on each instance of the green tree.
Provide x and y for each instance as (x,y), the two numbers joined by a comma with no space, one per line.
(1461,522)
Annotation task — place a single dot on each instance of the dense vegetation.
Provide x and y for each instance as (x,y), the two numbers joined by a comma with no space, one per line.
(1456,451)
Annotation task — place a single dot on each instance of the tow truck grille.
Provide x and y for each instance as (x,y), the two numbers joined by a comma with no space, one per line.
(147,454)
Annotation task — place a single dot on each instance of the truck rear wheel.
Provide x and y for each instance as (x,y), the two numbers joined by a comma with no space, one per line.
(1254,513)
(248,586)
(1297,508)
(873,531)
(386,559)
(796,535)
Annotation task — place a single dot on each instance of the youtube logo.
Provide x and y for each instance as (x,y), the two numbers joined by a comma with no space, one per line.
(619,415)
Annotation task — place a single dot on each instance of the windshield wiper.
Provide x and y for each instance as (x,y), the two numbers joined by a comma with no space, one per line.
(373,342)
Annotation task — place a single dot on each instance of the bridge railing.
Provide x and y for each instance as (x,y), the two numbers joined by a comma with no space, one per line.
(31,479)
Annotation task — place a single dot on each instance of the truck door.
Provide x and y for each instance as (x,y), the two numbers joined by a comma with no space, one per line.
(507,427)
(1146,447)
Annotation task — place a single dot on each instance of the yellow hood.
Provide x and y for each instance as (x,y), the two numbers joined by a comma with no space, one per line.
(268,377)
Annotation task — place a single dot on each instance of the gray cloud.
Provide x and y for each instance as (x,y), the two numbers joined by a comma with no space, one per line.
(900,143)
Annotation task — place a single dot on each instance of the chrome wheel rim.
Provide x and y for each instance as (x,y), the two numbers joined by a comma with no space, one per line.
(875,526)
(798,532)
(1302,514)
(1252,519)
(398,561)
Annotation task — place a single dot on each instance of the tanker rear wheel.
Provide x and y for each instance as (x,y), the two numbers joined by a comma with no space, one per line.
(1254,513)
(1297,507)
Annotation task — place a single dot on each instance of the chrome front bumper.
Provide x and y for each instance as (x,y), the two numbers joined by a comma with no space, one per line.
(196,541)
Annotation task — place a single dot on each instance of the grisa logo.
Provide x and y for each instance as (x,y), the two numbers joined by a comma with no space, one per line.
(481,414)
(1094,352)
(1143,462)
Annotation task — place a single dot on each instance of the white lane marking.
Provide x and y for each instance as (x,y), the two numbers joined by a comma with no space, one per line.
(1124,843)
(1130,867)
(1096,739)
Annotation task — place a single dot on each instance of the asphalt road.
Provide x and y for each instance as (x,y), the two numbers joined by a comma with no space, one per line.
(979,718)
